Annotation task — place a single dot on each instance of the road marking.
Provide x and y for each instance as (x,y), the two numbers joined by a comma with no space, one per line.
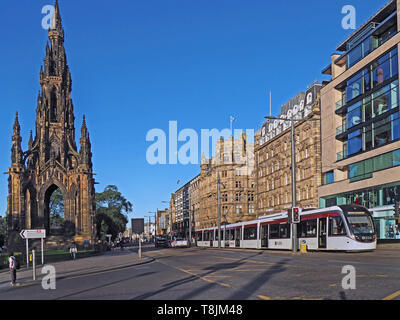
(264,297)
(204,278)
(392,296)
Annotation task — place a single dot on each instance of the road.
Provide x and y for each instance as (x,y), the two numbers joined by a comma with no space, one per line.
(212,274)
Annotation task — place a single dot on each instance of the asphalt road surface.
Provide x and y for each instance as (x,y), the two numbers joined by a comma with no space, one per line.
(212,274)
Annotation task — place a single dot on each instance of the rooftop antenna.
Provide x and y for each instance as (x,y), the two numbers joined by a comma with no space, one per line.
(270,103)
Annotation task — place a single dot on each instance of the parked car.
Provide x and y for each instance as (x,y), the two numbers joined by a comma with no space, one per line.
(179,242)
(162,242)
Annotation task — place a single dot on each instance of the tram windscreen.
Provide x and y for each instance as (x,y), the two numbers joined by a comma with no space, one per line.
(359,219)
(361,224)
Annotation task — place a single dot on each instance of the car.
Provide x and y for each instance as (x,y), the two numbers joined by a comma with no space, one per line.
(179,242)
(162,242)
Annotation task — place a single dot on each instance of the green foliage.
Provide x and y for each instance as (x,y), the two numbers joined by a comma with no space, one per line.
(3,230)
(4,258)
(111,212)
(56,207)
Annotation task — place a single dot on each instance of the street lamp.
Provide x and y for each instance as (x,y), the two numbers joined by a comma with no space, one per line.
(293,168)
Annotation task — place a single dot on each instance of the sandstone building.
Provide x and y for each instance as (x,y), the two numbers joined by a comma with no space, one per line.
(273,187)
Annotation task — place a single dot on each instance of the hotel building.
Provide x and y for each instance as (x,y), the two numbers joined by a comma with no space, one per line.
(273,179)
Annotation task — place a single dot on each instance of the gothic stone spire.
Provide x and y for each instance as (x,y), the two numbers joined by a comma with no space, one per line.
(16,150)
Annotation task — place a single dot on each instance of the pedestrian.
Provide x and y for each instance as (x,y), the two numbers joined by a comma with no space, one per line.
(73,251)
(12,264)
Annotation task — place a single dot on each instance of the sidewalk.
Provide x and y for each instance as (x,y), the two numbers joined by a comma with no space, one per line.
(84,266)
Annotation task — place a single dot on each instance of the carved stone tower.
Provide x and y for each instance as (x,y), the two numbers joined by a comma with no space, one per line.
(52,160)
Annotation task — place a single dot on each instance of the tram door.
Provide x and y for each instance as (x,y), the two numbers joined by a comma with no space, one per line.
(322,233)
(237,237)
(264,236)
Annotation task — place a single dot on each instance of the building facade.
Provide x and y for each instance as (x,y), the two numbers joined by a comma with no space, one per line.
(273,186)
(233,162)
(163,222)
(194,206)
(149,230)
(53,160)
(181,211)
(360,121)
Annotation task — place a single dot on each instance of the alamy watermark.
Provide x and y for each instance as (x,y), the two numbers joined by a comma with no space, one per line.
(49,280)
(48,21)
(349,20)
(349,281)
(192,146)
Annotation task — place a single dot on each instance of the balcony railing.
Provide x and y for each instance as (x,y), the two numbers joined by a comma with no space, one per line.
(341,155)
(340,129)
(340,103)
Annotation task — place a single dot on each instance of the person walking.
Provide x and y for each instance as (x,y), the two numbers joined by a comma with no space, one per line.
(12,264)
(73,251)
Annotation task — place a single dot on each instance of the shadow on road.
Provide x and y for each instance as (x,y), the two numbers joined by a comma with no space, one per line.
(250,288)
(105,285)
(242,293)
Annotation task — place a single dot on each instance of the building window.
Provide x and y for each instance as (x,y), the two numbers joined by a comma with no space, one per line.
(238,209)
(328,178)
(364,169)
(250,196)
(238,197)
(251,209)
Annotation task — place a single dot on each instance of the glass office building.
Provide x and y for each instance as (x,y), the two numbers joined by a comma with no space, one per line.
(360,122)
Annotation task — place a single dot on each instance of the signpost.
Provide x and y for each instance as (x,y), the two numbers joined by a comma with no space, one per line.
(109,237)
(33,234)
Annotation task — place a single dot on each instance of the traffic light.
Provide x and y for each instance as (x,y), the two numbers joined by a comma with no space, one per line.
(295,215)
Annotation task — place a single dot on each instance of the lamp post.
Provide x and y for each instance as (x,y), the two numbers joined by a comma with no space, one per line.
(293,168)
(219,209)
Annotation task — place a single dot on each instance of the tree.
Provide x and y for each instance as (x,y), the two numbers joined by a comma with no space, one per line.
(56,208)
(112,209)
(3,230)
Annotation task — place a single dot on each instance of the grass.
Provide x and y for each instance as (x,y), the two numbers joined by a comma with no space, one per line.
(49,256)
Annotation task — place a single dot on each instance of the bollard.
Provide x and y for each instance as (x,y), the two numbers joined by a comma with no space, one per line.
(33,265)
(303,247)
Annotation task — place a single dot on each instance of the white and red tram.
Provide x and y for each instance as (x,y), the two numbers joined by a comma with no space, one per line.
(347,228)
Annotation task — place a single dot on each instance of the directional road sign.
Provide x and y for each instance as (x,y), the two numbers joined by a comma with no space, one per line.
(33,234)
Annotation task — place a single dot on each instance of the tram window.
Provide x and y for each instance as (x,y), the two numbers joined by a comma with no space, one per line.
(250,233)
(336,226)
(284,231)
(231,234)
(206,236)
(274,231)
(307,229)
(199,237)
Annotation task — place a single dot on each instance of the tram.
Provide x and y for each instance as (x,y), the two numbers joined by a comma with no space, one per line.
(338,228)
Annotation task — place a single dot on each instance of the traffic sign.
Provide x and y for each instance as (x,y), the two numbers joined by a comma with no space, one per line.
(33,234)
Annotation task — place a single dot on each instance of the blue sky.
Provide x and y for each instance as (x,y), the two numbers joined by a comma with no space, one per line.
(136,65)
